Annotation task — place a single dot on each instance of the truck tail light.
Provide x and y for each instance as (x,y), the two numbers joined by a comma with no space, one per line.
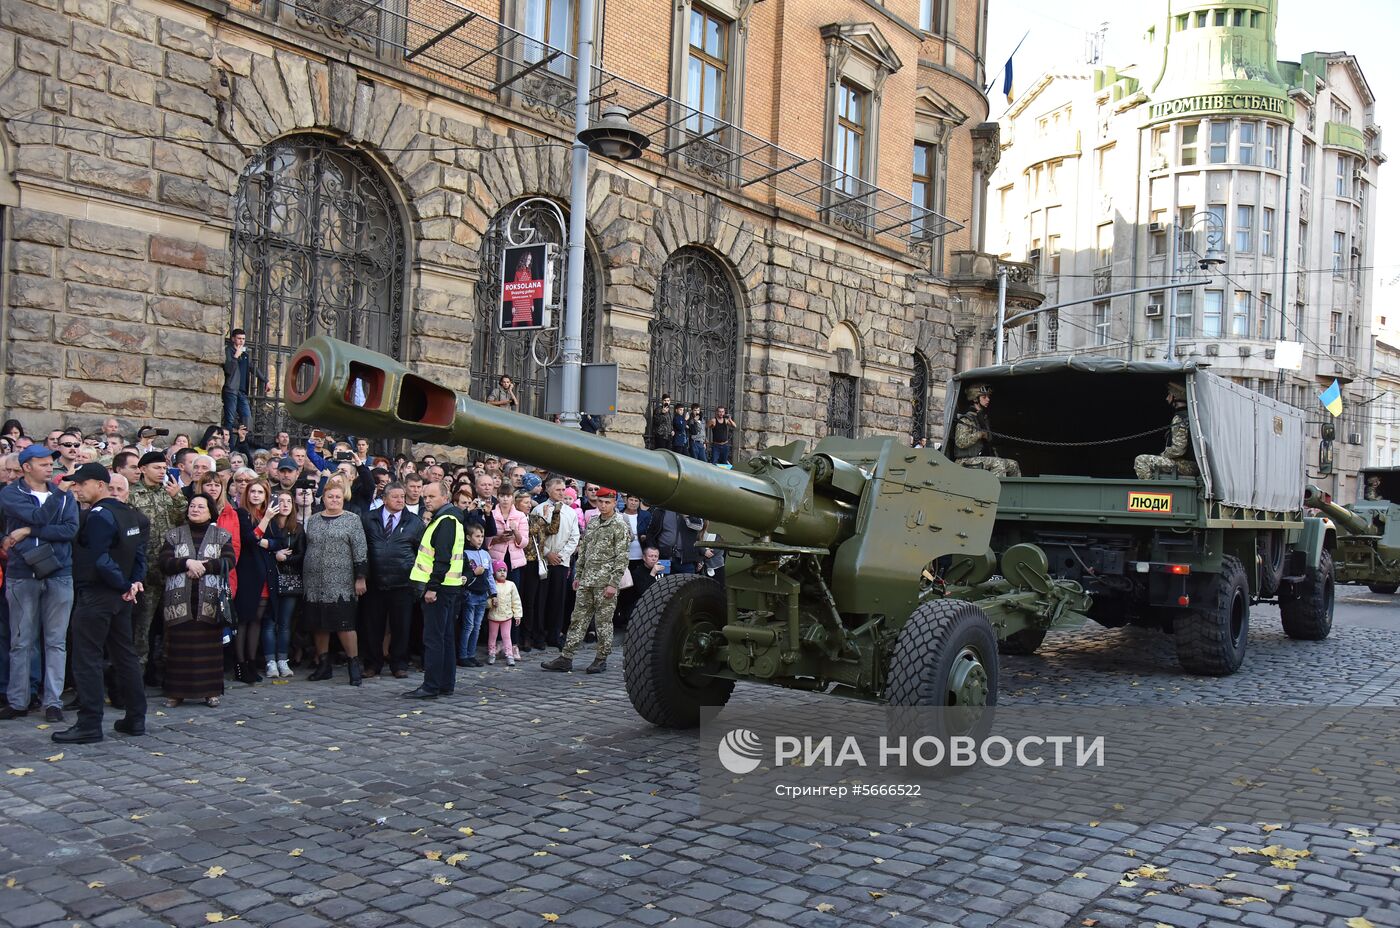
(1179,569)
(1183,600)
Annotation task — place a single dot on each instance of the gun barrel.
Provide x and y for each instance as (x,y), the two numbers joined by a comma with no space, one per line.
(334,383)
(1350,522)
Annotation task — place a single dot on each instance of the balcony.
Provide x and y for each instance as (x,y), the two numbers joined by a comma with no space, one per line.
(1340,135)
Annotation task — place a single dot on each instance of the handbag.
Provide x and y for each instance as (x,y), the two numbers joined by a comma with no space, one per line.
(41,560)
(289,583)
(626,582)
(539,559)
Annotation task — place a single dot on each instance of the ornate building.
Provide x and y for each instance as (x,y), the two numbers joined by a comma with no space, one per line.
(1211,146)
(174,169)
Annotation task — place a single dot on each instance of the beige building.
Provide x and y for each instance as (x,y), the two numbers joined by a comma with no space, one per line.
(174,168)
(1208,142)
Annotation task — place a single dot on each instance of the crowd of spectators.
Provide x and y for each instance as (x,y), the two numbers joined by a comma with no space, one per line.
(300,557)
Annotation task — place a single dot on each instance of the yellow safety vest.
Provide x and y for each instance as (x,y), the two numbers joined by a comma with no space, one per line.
(423,563)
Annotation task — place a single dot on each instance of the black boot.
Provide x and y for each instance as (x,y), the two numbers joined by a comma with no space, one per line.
(239,673)
(323,669)
(356,672)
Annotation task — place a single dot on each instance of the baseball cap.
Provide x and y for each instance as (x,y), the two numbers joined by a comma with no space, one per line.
(36,451)
(89,472)
(151,457)
(288,463)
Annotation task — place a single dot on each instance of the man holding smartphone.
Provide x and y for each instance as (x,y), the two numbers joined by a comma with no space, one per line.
(239,373)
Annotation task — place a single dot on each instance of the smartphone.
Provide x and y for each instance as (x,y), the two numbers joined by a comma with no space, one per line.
(665,566)
(343,455)
(318,434)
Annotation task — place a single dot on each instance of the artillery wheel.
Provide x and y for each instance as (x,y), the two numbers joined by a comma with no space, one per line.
(1025,642)
(1385,589)
(667,623)
(1308,615)
(946,657)
(1212,639)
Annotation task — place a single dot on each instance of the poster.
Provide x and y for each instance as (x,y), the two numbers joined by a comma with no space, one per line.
(526,285)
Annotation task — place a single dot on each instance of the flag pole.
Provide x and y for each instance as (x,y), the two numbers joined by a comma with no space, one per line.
(993,81)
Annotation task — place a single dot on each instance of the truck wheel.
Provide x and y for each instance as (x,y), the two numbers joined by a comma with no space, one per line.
(1307,615)
(1211,640)
(1022,643)
(665,623)
(946,657)
(1385,589)
(1271,554)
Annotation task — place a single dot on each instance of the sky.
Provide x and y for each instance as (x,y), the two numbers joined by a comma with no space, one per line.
(1056,34)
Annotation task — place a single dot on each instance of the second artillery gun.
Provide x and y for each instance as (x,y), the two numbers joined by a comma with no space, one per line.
(826,584)
(1367,549)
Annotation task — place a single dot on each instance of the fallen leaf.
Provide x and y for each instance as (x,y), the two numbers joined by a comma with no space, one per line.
(43,726)
(1079,875)
(20,771)
(549,916)
(1269,828)
(1242,900)
(442,881)
(433,855)
(240,722)
(192,782)
(875,895)
(54,758)
(295,852)
(214,872)
(214,918)
(534,721)
(563,830)
(457,858)
(540,854)
(96,884)
(1130,852)
(825,907)
(1358,833)
(625,856)
(1127,882)
(1284,865)
(240,779)
(1150,872)
(1093,824)
(448,805)
(1359,922)
(332,748)
(466,830)
(1284,887)
(580,771)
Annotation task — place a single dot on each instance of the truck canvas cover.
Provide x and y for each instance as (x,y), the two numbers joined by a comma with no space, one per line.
(1249,448)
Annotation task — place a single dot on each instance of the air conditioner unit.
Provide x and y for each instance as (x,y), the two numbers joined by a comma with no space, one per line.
(1355,252)
(1149,352)
(1358,175)
(1354,438)
(1270,352)
(1245,351)
(1034,255)
(1154,310)
(1212,351)
(1156,228)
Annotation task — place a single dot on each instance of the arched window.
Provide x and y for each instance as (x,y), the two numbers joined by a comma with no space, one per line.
(918,386)
(318,249)
(518,353)
(695,333)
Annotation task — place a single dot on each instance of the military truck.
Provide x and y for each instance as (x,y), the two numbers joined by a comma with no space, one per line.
(1185,554)
(1367,547)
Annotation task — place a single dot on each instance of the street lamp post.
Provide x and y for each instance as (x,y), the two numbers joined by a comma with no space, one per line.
(615,138)
(1211,259)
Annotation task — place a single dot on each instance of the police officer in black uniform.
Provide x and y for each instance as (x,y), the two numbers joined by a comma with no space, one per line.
(109,566)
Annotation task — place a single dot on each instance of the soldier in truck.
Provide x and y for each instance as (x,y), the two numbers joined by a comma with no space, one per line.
(1176,460)
(972,435)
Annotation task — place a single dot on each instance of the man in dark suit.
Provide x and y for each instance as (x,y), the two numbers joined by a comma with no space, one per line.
(393,535)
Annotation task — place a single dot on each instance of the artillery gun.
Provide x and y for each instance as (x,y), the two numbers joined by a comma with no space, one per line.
(827,588)
(1368,532)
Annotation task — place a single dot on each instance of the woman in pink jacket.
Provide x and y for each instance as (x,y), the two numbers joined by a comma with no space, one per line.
(512,531)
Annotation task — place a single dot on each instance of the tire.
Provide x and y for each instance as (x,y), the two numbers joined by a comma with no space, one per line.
(662,620)
(1385,589)
(1212,640)
(1023,643)
(944,642)
(1307,615)
(1271,548)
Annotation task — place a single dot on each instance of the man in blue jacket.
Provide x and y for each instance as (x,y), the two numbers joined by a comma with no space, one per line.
(41,521)
(238,376)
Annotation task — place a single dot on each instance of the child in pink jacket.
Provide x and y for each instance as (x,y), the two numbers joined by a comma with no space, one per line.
(505,610)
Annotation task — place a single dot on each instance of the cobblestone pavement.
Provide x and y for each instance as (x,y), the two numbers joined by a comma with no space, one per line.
(530,798)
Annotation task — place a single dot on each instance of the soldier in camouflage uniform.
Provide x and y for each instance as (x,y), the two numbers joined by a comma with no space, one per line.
(972,435)
(1177,460)
(164,505)
(1373,487)
(600,562)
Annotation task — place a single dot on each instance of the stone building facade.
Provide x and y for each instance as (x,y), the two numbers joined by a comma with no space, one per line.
(171,169)
(1211,139)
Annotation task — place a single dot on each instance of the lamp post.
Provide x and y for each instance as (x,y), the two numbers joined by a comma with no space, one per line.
(615,138)
(1210,260)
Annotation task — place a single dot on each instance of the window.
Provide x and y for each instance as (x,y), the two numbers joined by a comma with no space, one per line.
(1271,146)
(1052,330)
(1201,19)
(1185,313)
(1239,317)
(1104,242)
(1103,165)
(1302,244)
(1334,335)
(1159,145)
(1052,244)
(1342,175)
(1102,322)
(1298,312)
(550,24)
(1190,139)
(1266,232)
(1220,17)
(1158,218)
(849,155)
(1219,141)
(1156,325)
(1248,132)
(1212,313)
(1183,21)
(1052,171)
(1239,18)
(1305,169)
(1341,112)
(1339,246)
(1244,229)
(931,15)
(1214,231)
(707,70)
(1263,328)
(841,405)
(925,194)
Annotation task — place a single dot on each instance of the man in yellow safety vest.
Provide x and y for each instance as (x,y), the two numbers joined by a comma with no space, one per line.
(437,573)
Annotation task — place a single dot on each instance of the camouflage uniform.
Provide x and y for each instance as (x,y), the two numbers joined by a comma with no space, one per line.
(1373,488)
(600,562)
(972,443)
(1176,459)
(165,512)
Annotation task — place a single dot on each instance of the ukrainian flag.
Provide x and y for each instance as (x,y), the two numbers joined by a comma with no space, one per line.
(1008,84)
(1332,398)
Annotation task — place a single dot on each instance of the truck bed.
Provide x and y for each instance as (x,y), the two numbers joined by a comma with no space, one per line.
(1085,500)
